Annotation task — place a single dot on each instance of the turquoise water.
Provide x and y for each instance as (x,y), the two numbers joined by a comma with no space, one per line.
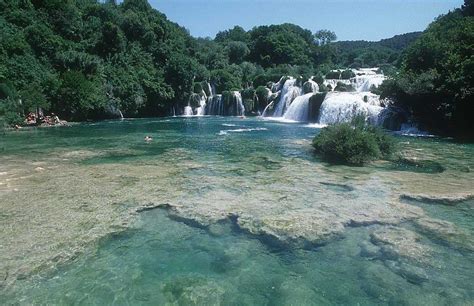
(165,258)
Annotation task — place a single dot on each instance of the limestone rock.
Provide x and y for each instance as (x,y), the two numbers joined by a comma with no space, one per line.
(398,242)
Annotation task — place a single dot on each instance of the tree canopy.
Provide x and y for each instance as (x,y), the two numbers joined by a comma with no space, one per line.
(435,82)
(81,58)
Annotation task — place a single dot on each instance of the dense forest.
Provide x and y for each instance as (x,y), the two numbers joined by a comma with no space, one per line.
(86,59)
(385,53)
(435,82)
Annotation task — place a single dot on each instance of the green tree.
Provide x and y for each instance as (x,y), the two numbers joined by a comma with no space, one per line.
(324,37)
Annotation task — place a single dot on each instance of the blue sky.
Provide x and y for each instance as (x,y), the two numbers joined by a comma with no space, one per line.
(351,20)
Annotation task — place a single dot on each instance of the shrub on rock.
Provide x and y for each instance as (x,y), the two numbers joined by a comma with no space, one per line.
(353,145)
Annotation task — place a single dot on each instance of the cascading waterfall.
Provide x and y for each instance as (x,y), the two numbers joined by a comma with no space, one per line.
(344,106)
(288,93)
(304,104)
(201,110)
(188,111)
(239,105)
(299,108)
(214,105)
(297,100)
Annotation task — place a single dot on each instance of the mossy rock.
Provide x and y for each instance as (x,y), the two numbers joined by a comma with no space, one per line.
(347,74)
(344,87)
(315,105)
(333,75)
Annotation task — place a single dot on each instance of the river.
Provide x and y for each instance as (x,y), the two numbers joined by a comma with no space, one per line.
(229,211)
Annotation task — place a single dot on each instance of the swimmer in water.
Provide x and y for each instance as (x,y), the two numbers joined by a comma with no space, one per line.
(148,138)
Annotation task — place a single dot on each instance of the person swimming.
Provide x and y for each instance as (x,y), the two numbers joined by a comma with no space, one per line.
(148,138)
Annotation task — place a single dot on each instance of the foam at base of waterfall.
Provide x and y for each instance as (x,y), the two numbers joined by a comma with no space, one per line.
(201,110)
(188,111)
(316,125)
(340,107)
(225,132)
(279,119)
(408,129)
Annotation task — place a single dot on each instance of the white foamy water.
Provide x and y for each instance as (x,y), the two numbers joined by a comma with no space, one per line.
(316,125)
(288,93)
(412,130)
(225,132)
(201,110)
(188,111)
(344,106)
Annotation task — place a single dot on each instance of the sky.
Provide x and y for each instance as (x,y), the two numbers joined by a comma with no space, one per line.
(349,19)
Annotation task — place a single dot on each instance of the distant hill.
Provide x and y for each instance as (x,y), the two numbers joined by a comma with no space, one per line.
(362,53)
(397,42)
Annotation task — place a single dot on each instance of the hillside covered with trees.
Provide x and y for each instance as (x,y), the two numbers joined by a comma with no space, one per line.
(85,59)
(436,82)
(363,54)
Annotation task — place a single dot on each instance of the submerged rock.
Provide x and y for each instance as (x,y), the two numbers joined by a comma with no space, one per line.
(418,165)
(193,290)
(398,242)
(369,250)
(338,187)
(449,200)
(446,232)
(411,273)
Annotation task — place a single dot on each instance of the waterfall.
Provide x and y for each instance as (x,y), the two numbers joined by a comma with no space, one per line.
(201,110)
(298,100)
(299,108)
(344,106)
(188,111)
(215,106)
(227,104)
(366,83)
(288,93)
(310,86)
(363,81)
(239,105)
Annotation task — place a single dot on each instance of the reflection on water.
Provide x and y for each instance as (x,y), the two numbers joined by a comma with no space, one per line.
(342,234)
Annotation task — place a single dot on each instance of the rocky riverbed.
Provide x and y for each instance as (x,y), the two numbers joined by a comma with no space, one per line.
(62,191)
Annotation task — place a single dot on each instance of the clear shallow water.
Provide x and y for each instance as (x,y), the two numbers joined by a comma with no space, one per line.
(206,165)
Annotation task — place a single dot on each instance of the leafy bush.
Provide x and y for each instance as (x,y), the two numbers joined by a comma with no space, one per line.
(9,112)
(353,145)
(197,88)
(262,97)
